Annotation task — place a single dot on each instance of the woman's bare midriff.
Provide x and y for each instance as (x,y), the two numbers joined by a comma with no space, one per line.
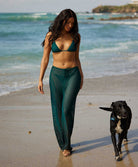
(64,60)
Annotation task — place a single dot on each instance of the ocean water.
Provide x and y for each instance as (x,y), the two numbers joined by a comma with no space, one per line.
(107,47)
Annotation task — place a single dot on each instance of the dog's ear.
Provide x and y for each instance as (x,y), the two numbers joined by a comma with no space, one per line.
(112,105)
(106,108)
(125,103)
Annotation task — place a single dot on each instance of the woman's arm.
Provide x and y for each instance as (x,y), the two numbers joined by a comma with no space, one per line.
(44,62)
(79,64)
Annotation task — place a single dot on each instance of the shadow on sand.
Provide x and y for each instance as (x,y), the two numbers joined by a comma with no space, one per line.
(105,141)
(93,144)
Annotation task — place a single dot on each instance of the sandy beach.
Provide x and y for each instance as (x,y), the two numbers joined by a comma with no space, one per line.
(27,136)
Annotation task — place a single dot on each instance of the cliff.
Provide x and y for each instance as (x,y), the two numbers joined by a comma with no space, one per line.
(129,8)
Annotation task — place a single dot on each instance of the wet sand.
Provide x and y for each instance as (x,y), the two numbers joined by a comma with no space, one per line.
(27,137)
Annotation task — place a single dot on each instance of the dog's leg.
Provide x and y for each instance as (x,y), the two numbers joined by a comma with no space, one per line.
(117,157)
(125,136)
(119,142)
(120,139)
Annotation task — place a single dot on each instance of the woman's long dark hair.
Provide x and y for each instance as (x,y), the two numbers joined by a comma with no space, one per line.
(57,26)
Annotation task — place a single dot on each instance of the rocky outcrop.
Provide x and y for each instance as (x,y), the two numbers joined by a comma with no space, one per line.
(90,18)
(129,8)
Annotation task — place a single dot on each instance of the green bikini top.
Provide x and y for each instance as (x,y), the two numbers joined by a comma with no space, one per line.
(55,48)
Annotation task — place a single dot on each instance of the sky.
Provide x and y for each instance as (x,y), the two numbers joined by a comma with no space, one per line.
(54,5)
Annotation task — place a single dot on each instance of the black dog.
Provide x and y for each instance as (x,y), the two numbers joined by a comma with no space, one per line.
(119,123)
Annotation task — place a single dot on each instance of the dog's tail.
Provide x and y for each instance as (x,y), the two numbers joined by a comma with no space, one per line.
(106,108)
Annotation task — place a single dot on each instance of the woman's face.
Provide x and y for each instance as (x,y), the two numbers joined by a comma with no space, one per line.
(69,25)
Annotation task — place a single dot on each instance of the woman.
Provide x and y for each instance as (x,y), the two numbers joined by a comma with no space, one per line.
(66,77)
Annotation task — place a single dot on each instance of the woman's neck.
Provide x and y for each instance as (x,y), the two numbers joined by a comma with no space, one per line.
(64,33)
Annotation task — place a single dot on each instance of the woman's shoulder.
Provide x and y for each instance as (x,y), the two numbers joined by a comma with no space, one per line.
(47,40)
(48,35)
(79,35)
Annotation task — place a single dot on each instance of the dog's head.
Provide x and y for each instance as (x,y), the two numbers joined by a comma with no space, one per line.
(119,108)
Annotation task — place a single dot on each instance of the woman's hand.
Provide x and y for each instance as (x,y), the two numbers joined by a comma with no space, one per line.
(40,87)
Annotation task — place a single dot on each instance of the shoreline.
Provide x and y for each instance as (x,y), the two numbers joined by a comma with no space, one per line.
(86,79)
(27,134)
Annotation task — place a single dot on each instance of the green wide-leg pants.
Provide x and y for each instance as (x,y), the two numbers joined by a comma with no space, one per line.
(64,87)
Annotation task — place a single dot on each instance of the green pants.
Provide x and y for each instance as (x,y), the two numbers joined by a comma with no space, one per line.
(64,87)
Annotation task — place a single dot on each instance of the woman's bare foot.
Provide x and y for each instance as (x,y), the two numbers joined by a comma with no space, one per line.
(66,153)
